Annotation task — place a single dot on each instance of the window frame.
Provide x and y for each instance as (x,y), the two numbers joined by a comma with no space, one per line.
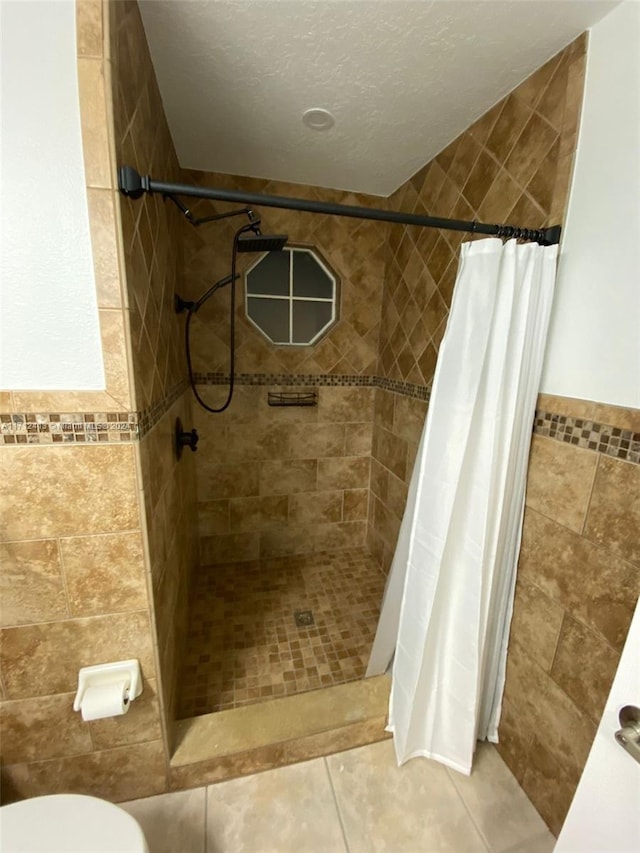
(291,299)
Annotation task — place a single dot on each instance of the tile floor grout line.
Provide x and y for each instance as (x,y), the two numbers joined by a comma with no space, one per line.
(337,805)
(484,840)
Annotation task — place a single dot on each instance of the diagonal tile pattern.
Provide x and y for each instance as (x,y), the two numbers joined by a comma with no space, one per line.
(247,644)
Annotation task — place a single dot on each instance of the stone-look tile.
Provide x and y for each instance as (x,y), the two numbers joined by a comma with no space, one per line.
(310,441)
(379,481)
(542,706)
(93,119)
(550,784)
(596,586)
(355,504)
(358,438)
(42,659)
(227,481)
(286,477)
(225,767)
(104,248)
(567,406)
(302,814)
(536,623)
(104,574)
(38,480)
(89,27)
(559,481)
(141,723)
(315,507)
(213,517)
(396,495)
(337,405)
(114,351)
(408,419)
(515,740)
(228,548)
(497,804)
(617,416)
(41,728)
(31,584)
(544,843)
(172,822)
(137,770)
(390,451)
(257,513)
(614,512)
(350,472)
(508,127)
(386,808)
(384,408)
(584,667)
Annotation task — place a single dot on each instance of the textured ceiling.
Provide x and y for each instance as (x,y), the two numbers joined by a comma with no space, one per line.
(402,78)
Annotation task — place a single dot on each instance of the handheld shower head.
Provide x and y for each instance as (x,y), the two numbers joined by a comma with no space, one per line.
(252,242)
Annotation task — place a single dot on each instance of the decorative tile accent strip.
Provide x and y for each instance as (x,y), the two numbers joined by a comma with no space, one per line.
(68,428)
(603,438)
(148,418)
(421,392)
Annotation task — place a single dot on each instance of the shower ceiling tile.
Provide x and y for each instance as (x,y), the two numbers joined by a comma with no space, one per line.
(402,78)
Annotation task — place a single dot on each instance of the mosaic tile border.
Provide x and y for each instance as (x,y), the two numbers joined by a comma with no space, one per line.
(420,392)
(148,418)
(68,428)
(589,435)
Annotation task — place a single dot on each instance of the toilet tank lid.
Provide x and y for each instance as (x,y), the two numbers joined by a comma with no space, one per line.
(69,823)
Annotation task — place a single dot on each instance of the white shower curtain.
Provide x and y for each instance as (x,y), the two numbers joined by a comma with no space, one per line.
(454,569)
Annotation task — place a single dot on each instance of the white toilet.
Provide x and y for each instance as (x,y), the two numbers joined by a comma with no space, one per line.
(69,823)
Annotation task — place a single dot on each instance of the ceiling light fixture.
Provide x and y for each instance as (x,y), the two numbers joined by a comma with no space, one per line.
(318,119)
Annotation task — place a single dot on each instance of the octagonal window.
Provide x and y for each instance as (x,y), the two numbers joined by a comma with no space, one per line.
(291,296)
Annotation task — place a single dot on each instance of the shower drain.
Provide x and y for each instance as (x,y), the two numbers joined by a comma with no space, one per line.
(303,618)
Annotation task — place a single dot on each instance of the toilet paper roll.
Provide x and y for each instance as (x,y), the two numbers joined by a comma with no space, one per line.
(109,700)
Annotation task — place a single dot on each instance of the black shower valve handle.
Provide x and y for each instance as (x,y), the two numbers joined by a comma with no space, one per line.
(185,439)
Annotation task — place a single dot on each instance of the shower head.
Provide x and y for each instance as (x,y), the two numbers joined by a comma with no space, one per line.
(252,242)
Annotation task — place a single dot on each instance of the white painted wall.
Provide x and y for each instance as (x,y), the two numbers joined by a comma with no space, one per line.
(49,331)
(594,340)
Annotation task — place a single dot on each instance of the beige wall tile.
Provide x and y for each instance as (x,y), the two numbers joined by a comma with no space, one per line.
(408,419)
(31,584)
(46,727)
(310,441)
(93,116)
(351,472)
(593,584)
(384,408)
(559,481)
(338,405)
(230,548)
(114,353)
(141,723)
(136,770)
(89,27)
(257,513)
(544,707)
(584,667)
(358,439)
(104,574)
(550,785)
(515,740)
(104,248)
(568,406)
(285,477)
(213,517)
(41,659)
(216,482)
(617,416)
(536,623)
(315,507)
(614,512)
(355,504)
(38,481)
(390,451)
(396,495)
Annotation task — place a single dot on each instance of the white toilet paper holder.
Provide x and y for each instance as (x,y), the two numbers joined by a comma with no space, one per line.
(104,674)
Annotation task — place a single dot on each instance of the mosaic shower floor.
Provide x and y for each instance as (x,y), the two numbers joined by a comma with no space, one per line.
(270,628)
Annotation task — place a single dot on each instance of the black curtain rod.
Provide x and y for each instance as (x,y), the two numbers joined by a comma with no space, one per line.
(133,185)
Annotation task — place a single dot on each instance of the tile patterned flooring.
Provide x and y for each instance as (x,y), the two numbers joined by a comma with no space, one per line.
(356,801)
(250,637)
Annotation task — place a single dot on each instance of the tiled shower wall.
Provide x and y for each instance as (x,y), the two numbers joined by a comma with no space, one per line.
(73,573)
(151,237)
(274,481)
(578,582)
(513,165)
